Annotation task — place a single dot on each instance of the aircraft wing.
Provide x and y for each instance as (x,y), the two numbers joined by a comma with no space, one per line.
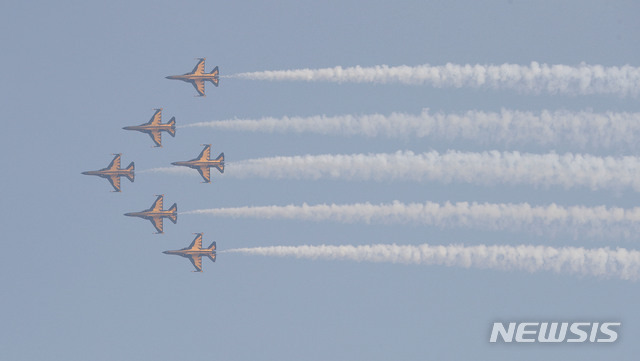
(205,172)
(197,242)
(199,68)
(205,154)
(199,85)
(156,137)
(157,223)
(115,163)
(197,262)
(156,118)
(157,205)
(115,182)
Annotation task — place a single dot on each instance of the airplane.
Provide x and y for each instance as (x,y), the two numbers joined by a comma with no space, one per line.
(203,163)
(155,214)
(195,252)
(197,77)
(113,172)
(154,126)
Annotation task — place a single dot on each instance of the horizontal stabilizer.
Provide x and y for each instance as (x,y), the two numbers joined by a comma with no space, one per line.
(172,123)
(220,159)
(212,247)
(131,169)
(215,72)
(174,213)
(212,257)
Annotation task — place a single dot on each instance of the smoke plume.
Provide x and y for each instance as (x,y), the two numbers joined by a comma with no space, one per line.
(535,78)
(598,262)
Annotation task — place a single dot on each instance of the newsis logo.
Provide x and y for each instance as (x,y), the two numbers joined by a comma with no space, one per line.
(554,332)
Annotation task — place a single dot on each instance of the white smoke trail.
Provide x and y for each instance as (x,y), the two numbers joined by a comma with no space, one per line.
(599,221)
(535,78)
(599,262)
(488,168)
(580,129)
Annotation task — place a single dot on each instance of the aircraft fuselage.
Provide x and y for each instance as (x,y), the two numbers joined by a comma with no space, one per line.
(203,252)
(150,128)
(108,173)
(199,163)
(155,214)
(192,77)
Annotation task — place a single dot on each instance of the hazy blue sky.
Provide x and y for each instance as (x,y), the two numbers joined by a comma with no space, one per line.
(81,281)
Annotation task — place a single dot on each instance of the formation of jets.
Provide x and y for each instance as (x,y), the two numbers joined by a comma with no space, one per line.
(203,163)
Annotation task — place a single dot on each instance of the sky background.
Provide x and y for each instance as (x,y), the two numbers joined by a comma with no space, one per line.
(81,281)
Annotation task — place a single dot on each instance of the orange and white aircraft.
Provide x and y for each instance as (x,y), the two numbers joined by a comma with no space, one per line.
(155,214)
(197,77)
(154,126)
(113,172)
(203,163)
(195,252)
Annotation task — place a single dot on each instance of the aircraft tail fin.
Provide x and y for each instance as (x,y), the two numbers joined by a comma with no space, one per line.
(172,123)
(220,166)
(174,213)
(131,169)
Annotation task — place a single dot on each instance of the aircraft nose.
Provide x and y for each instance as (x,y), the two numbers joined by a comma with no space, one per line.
(128,214)
(166,252)
(85,173)
(174,163)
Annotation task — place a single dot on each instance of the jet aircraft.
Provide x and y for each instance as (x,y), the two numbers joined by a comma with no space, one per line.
(155,214)
(195,252)
(154,126)
(197,77)
(203,163)
(113,172)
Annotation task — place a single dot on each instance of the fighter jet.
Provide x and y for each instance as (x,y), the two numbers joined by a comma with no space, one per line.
(203,163)
(113,172)
(195,252)
(197,76)
(154,126)
(155,214)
